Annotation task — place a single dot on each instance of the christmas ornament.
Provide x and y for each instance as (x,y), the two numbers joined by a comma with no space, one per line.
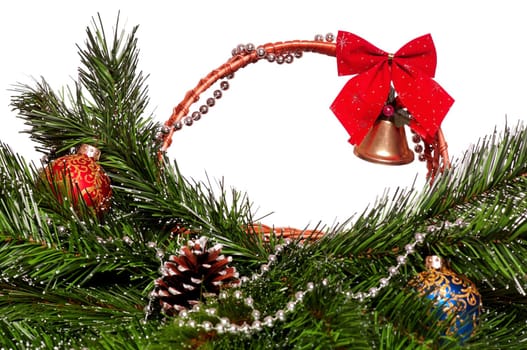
(410,69)
(453,295)
(77,176)
(385,143)
(415,61)
(193,275)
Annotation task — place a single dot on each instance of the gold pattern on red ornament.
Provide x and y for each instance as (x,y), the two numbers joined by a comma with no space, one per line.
(78,175)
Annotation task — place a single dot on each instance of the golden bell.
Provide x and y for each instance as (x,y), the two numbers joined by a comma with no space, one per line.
(385,143)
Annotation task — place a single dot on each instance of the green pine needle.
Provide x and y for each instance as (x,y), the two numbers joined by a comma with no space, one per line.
(72,280)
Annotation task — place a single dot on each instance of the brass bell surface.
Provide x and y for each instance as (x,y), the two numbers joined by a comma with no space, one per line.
(385,143)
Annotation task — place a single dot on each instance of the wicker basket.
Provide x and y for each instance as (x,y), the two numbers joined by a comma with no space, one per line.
(435,153)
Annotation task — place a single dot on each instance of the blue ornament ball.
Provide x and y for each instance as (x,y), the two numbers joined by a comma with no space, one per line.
(455,297)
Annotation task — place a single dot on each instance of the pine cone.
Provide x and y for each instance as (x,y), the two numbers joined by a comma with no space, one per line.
(192,276)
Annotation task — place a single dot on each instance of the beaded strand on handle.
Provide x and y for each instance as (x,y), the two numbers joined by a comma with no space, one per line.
(235,63)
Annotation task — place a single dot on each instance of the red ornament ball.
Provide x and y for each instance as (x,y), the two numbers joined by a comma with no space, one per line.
(79,176)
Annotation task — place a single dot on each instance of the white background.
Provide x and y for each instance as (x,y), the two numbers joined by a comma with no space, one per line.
(272,135)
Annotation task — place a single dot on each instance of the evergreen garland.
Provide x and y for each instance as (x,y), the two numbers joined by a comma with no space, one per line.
(68,281)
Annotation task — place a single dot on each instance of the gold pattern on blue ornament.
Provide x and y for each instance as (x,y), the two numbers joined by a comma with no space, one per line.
(455,297)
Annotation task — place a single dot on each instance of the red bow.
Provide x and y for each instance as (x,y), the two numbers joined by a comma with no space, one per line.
(411,70)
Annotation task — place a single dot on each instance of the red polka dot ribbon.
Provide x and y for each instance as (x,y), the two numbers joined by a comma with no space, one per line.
(410,70)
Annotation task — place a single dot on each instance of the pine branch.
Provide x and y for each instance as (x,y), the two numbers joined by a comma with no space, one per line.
(20,215)
(49,117)
(110,76)
(74,317)
(71,280)
(496,161)
(55,268)
(104,108)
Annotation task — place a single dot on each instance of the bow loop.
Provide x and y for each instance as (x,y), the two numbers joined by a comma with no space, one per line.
(419,54)
(410,70)
(361,55)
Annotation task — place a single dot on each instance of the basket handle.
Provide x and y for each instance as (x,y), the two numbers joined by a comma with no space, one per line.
(435,153)
(234,64)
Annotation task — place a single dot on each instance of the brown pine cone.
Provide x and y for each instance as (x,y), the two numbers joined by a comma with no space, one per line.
(193,275)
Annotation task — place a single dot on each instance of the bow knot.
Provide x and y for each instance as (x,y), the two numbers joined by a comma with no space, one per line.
(410,70)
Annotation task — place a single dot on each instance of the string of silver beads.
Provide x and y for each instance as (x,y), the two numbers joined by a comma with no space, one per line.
(259,322)
(241,49)
(203,109)
(209,103)
(418,146)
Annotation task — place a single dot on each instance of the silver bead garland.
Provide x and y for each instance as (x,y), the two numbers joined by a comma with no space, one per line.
(260,321)
(241,49)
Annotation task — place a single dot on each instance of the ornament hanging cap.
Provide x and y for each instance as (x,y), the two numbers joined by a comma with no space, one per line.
(90,151)
(434,262)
